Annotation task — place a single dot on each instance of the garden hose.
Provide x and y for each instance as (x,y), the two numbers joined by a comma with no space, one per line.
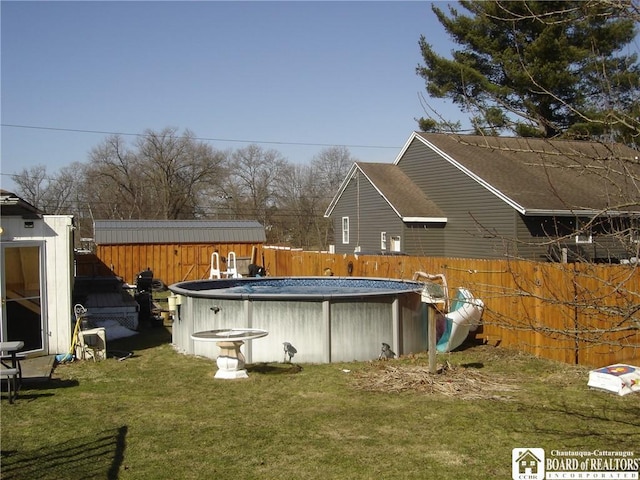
(74,341)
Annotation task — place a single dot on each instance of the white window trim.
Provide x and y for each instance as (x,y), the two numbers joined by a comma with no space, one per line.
(584,235)
(584,239)
(383,240)
(345,231)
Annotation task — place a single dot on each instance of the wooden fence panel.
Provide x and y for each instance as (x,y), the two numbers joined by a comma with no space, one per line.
(605,295)
(546,309)
(169,263)
(571,313)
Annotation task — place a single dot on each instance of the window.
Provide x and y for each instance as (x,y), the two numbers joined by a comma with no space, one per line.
(583,234)
(383,240)
(395,244)
(584,237)
(345,230)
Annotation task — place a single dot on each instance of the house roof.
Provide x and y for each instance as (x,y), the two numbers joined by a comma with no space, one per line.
(118,232)
(407,200)
(404,196)
(544,177)
(12,205)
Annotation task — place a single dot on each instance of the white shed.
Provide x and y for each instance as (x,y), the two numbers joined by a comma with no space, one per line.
(37,276)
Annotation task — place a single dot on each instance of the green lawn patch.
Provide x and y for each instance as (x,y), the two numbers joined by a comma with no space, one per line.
(161,415)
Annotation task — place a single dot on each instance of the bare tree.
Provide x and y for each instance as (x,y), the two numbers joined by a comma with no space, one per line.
(175,170)
(298,220)
(303,193)
(163,177)
(250,190)
(330,167)
(113,185)
(52,193)
(32,184)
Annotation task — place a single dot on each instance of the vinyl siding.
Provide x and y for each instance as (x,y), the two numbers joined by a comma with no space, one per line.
(478,221)
(375,216)
(532,234)
(424,239)
(535,233)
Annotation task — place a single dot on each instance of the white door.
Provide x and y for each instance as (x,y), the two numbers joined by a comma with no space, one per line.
(22,316)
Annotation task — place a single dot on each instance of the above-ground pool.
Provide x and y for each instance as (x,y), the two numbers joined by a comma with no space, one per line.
(326,319)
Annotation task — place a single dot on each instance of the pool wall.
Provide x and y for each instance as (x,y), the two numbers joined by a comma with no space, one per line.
(323,328)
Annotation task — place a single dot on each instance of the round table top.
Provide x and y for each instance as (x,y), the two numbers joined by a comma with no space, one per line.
(229,335)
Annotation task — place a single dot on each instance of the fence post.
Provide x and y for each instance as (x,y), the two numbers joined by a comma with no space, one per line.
(431,329)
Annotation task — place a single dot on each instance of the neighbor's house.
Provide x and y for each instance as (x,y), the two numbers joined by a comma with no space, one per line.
(174,250)
(37,276)
(489,197)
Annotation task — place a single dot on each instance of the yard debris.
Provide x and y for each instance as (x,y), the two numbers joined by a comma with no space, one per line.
(464,382)
(619,378)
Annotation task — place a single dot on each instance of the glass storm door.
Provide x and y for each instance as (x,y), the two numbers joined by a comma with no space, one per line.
(22,317)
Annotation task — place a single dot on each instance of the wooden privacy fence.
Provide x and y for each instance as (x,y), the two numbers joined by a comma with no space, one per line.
(575,313)
(170,263)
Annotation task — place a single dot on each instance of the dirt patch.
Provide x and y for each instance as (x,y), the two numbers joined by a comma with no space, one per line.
(460,381)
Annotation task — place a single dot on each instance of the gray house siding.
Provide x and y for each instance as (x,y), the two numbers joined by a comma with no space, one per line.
(471,196)
(536,233)
(369,214)
(614,246)
(533,234)
(478,222)
(424,239)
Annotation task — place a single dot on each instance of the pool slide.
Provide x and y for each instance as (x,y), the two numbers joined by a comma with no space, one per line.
(457,317)
(463,318)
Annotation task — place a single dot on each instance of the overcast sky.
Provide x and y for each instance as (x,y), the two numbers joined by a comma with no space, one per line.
(293,76)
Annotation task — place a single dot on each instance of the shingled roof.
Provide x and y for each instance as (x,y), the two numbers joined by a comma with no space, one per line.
(404,196)
(542,177)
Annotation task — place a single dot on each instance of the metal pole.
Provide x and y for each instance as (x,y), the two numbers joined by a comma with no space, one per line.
(431,331)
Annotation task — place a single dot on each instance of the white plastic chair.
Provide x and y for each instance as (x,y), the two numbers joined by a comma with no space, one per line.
(92,344)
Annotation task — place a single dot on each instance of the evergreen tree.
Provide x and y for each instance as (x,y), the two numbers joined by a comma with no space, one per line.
(539,68)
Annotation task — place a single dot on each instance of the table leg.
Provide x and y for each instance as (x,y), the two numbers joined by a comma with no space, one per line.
(230,361)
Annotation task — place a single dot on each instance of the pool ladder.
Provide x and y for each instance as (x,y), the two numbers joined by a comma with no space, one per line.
(230,272)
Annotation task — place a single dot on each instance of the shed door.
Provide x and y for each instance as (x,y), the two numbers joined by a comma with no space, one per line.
(22,317)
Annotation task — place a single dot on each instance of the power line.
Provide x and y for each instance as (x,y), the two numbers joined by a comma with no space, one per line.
(204,139)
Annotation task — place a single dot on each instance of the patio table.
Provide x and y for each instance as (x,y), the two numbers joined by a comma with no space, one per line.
(231,361)
(9,352)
